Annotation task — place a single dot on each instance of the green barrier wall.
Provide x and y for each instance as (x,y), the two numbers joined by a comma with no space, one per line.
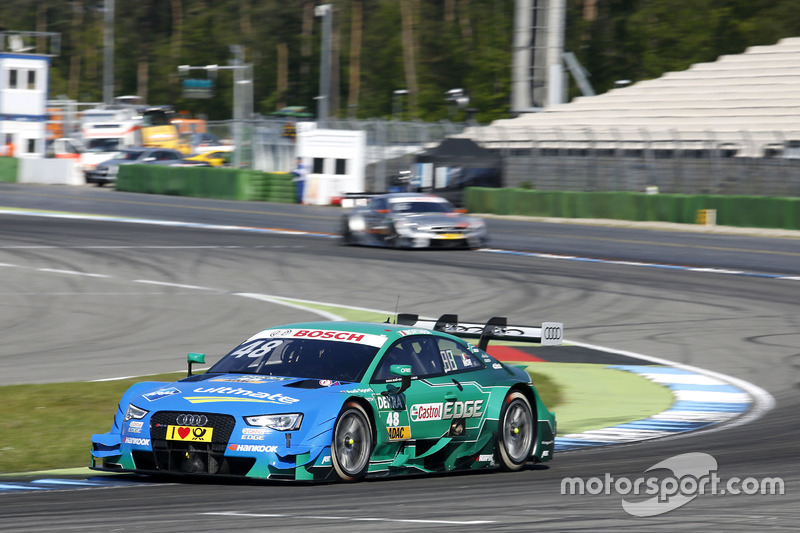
(207,182)
(742,211)
(8,169)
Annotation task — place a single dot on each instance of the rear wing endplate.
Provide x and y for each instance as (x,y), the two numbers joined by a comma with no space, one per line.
(549,334)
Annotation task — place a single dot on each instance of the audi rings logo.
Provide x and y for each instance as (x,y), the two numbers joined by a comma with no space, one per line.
(192,420)
(552,333)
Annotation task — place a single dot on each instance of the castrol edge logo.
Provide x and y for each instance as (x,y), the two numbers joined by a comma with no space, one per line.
(426,411)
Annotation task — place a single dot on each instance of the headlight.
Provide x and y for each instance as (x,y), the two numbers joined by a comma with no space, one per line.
(476,223)
(287,422)
(405,224)
(134,412)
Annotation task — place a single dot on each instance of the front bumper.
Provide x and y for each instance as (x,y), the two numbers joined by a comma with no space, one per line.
(425,239)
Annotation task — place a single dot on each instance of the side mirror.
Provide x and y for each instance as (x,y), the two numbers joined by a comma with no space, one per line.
(403,371)
(199,358)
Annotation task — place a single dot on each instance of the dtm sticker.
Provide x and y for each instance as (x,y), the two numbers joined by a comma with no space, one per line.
(391,401)
(399,433)
(422,412)
(161,393)
(253,448)
(468,409)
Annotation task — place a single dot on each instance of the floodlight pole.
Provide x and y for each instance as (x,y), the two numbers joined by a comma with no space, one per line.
(326,12)
(242,95)
(108,52)
(397,107)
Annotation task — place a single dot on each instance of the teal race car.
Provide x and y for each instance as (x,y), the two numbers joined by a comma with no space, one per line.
(340,401)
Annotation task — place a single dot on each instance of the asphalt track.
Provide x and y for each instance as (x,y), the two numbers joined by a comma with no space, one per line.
(64,320)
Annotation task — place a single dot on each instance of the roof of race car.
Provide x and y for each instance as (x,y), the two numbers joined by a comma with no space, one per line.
(390,331)
(405,197)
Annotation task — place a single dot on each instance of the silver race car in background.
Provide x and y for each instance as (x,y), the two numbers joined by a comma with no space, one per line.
(412,220)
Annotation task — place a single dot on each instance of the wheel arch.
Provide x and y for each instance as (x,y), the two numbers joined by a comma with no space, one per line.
(501,450)
(367,408)
(527,391)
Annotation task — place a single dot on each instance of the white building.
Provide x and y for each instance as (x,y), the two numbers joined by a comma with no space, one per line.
(24,68)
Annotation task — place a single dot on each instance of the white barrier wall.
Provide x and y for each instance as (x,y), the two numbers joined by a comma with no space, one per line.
(50,171)
(335,159)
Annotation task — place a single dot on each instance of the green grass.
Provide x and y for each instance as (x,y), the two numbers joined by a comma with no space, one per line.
(549,391)
(44,427)
(49,426)
(594,396)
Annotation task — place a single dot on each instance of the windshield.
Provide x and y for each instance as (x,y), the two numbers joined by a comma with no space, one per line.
(421,207)
(131,155)
(299,358)
(102,145)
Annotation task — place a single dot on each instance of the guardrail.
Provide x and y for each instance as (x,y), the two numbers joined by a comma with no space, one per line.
(8,169)
(740,211)
(207,182)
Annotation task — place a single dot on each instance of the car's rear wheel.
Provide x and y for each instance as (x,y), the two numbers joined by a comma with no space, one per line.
(516,432)
(352,443)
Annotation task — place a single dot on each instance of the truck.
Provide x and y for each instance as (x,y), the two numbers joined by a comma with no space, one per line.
(160,131)
(107,130)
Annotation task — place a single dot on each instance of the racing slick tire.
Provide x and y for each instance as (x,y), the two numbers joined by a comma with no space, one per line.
(394,239)
(352,443)
(515,432)
(347,235)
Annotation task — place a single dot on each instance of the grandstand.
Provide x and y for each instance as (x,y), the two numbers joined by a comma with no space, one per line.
(747,103)
(727,127)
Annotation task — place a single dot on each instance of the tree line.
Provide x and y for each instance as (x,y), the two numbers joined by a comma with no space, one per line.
(425,47)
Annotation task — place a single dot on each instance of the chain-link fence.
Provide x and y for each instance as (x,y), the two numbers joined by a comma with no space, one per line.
(269,144)
(763,163)
(600,158)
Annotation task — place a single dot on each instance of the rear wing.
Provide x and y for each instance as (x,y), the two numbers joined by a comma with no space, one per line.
(355,199)
(549,334)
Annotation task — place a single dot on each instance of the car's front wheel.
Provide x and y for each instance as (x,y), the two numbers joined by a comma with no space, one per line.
(347,234)
(516,432)
(352,443)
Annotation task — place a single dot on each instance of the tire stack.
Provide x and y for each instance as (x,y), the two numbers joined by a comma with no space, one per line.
(273,187)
